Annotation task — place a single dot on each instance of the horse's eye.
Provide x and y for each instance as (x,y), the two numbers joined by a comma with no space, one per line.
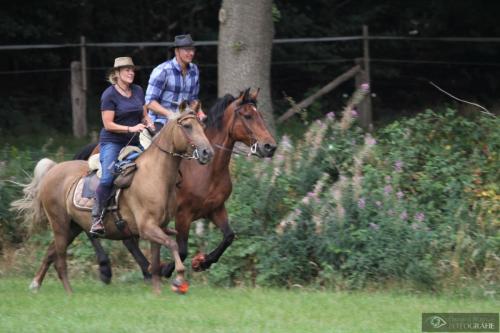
(187,126)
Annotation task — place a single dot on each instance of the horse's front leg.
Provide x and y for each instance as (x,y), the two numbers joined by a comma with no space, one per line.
(155,267)
(155,234)
(132,245)
(105,272)
(202,262)
(182,224)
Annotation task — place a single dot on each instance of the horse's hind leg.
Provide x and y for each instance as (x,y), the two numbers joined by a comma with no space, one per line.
(47,261)
(50,257)
(63,236)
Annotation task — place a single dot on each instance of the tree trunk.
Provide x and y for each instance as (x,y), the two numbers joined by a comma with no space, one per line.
(246,33)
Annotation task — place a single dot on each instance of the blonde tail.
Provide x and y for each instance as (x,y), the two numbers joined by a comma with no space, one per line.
(30,206)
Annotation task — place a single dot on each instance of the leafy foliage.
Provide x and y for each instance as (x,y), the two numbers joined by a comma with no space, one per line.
(338,209)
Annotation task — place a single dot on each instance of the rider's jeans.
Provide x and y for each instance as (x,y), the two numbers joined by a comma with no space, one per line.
(108,155)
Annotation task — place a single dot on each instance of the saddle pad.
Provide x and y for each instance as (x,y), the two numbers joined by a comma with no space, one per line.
(84,195)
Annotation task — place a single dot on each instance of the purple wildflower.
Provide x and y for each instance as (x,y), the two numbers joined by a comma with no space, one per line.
(420,217)
(365,87)
(398,166)
(400,195)
(371,141)
(354,113)
(403,216)
(361,203)
(330,115)
(387,189)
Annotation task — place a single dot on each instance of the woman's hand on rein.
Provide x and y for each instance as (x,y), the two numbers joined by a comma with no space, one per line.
(137,128)
(148,123)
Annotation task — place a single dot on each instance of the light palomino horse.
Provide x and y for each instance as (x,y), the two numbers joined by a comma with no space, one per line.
(147,205)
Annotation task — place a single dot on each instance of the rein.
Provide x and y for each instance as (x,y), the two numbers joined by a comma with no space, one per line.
(194,156)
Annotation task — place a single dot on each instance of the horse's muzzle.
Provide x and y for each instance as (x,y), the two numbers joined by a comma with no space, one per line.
(265,149)
(204,155)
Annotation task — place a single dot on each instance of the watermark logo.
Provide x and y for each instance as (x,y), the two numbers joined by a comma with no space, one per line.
(460,322)
(437,322)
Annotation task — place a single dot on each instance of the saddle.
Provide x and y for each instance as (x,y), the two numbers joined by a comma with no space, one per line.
(124,169)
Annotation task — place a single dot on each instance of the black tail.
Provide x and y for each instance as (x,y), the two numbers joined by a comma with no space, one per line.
(84,154)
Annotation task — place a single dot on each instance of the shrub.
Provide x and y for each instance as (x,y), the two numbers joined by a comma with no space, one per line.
(417,204)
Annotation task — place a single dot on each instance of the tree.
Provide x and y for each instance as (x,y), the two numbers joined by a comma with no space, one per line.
(246,33)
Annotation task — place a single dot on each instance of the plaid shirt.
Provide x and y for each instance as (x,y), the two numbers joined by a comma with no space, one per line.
(168,87)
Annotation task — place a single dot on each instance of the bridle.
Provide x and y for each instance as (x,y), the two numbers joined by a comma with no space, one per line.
(253,146)
(195,155)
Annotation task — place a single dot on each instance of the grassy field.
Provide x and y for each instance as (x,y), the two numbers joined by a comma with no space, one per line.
(131,307)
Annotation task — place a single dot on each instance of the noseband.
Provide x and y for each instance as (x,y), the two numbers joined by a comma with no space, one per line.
(195,155)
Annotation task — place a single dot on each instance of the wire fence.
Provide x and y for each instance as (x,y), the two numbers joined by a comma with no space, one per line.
(35,79)
(278,41)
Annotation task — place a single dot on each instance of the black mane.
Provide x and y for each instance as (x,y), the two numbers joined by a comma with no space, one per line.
(216,112)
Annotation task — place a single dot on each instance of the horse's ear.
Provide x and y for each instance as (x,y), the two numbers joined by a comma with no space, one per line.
(182,106)
(255,94)
(245,96)
(195,105)
(240,97)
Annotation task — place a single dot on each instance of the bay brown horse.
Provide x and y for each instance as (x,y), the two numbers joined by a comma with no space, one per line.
(147,205)
(205,189)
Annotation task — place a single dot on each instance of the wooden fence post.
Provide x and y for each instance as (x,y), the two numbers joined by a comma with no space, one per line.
(83,59)
(78,101)
(365,107)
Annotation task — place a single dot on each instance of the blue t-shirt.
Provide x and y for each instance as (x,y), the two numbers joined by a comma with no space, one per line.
(128,112)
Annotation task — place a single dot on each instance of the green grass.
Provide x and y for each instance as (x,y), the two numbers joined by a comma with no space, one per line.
(131,307)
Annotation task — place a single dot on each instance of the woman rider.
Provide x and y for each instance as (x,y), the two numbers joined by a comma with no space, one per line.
(123,116)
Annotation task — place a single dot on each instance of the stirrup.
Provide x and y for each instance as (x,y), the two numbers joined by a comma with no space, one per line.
(97,228)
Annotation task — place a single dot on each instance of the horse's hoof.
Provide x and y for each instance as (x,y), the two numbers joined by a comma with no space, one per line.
(167,270)
(180,287)
(105,278)
(147,276)
(105,274)
(34,286)
(197,261)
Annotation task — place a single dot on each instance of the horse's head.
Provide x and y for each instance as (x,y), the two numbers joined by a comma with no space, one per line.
(189,137)
(248,126)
